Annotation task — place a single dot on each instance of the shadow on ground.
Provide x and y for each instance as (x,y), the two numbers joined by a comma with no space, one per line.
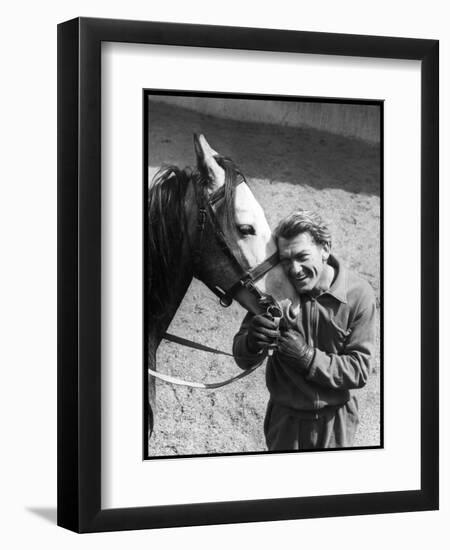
(48,514)
(305,156)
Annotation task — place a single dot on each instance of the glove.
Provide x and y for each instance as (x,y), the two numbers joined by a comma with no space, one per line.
(262,333)
(294,349)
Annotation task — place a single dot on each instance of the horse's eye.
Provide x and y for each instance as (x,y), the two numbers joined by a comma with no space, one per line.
(246,229)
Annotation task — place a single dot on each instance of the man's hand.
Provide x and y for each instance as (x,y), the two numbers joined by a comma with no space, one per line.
(262,333)
(293,347)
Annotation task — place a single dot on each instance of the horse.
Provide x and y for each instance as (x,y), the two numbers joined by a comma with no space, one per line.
(206,223)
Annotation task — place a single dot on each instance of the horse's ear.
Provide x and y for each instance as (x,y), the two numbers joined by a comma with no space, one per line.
(207,163)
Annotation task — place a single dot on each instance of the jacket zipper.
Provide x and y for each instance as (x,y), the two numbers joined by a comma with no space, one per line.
(314,335)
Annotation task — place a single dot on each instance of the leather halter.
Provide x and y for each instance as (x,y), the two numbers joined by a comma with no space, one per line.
(247,276)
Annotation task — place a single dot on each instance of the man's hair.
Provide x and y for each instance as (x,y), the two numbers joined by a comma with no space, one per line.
(304,221)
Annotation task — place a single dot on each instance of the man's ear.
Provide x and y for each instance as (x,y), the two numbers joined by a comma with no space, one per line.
(325,252)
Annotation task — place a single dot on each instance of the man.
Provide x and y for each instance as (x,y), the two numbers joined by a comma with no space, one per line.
(320,356)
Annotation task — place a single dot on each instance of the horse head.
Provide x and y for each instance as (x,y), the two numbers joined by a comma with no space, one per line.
(235,253)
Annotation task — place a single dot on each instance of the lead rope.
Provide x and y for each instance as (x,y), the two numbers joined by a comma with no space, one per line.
(201,385)
(276,315)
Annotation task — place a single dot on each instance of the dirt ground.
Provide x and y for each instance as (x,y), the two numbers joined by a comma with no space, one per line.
(286,168)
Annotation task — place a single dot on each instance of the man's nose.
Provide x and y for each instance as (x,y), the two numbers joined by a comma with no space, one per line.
(295,268)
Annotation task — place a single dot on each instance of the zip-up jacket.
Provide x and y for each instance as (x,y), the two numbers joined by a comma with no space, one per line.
(340,325)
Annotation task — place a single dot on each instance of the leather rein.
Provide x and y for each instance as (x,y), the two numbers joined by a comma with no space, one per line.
(247,278)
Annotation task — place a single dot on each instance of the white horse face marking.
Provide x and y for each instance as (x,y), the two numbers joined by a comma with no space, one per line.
(256,243)
(254,234)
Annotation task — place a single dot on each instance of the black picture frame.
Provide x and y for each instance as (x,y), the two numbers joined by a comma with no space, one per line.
(79,274)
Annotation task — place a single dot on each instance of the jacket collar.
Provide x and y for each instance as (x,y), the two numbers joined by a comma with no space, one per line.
(338,288)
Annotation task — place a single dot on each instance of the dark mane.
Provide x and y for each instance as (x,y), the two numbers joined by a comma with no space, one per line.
(167,225)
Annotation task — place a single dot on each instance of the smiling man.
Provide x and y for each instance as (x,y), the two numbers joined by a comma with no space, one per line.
(323,354)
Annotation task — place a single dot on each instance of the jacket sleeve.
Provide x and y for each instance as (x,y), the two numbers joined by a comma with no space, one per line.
(351,368)
(243,357)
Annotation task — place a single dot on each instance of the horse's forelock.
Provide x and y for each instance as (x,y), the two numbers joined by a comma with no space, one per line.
(231,174)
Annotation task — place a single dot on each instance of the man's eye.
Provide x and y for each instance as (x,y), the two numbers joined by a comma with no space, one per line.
(246,229)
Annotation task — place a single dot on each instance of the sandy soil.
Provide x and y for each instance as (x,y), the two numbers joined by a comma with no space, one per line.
(286,168)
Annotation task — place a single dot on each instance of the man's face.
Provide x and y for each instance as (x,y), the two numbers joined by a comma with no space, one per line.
(303,261)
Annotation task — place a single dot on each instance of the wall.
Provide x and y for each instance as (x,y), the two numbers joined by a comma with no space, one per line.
(28,274)
(360,121)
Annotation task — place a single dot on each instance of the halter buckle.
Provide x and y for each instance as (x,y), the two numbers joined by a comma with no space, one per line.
(247,282)
(225,300)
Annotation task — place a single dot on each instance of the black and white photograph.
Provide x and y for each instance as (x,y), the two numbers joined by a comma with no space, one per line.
(263,275)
